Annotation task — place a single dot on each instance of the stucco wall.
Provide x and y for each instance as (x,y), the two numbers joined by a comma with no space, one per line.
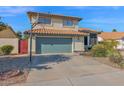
(121,44)
(99,39)
(10,41)
(33,45)
(78,43)
(58,23)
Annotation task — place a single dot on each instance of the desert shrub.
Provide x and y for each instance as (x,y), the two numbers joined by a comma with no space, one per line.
(105,48)
(0,51)
(99,50)
(110,45)
(116,57)
(7,49)
(121,64)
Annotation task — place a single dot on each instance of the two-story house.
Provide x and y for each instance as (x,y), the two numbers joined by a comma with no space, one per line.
(56,33)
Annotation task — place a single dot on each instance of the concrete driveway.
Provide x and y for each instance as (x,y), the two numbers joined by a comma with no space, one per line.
(72,70)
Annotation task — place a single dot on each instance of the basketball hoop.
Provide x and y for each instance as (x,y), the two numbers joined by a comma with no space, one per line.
(34,22)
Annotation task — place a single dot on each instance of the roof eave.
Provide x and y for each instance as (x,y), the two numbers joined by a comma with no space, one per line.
(29,13)
(26,32)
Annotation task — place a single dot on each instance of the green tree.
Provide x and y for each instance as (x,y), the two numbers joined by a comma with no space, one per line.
(114,30)
(2,24)
(19,34)
(101,31)
(25,36)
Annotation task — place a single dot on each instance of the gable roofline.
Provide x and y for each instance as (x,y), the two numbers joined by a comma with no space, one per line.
(10,29)
(87,30)
(111,35)
(13,31)
(30,13)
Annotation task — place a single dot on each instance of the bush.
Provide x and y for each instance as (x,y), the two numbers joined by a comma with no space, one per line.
(0,51)
(99,50)
(104,48)
(116,57)
(7,49)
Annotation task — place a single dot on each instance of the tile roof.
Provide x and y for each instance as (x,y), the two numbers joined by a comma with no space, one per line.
(111,35)
(53,15)
(87,30)
(47,31)
(8,32)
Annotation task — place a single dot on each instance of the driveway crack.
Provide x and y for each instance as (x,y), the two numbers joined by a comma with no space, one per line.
(70,81)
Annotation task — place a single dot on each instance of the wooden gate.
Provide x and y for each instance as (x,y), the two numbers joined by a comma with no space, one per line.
(23,46)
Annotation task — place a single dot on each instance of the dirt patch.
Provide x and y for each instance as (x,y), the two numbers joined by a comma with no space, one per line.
(105,60)
(13,77)
(122,52)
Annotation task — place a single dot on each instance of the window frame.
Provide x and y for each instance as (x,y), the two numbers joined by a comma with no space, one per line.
(65,23)
(44,20)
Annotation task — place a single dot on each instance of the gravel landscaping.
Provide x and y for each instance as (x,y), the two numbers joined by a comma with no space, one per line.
(105,60)
(13,69)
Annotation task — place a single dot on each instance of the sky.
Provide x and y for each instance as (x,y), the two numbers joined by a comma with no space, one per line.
(101,18)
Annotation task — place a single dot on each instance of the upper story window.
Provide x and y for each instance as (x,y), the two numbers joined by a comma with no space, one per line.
(44,20)
(68,23)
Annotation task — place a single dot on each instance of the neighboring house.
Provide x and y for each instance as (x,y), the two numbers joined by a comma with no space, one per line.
(118,36)
(56,33)
(9,37)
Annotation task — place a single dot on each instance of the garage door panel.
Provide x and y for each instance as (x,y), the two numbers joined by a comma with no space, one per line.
(56,40)
(53,45)
(55,48)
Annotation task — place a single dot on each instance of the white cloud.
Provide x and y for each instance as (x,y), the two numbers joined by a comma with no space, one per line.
(93,7)
(115,7)
(11,11)
(106,20)
(80,7)
(85,7)
(6,15)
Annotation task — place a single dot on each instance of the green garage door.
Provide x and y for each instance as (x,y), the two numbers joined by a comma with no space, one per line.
(53,45)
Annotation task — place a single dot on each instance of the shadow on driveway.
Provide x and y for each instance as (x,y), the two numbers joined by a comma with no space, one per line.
(38,62)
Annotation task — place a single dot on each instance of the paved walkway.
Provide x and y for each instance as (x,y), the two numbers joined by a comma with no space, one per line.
(72,70)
